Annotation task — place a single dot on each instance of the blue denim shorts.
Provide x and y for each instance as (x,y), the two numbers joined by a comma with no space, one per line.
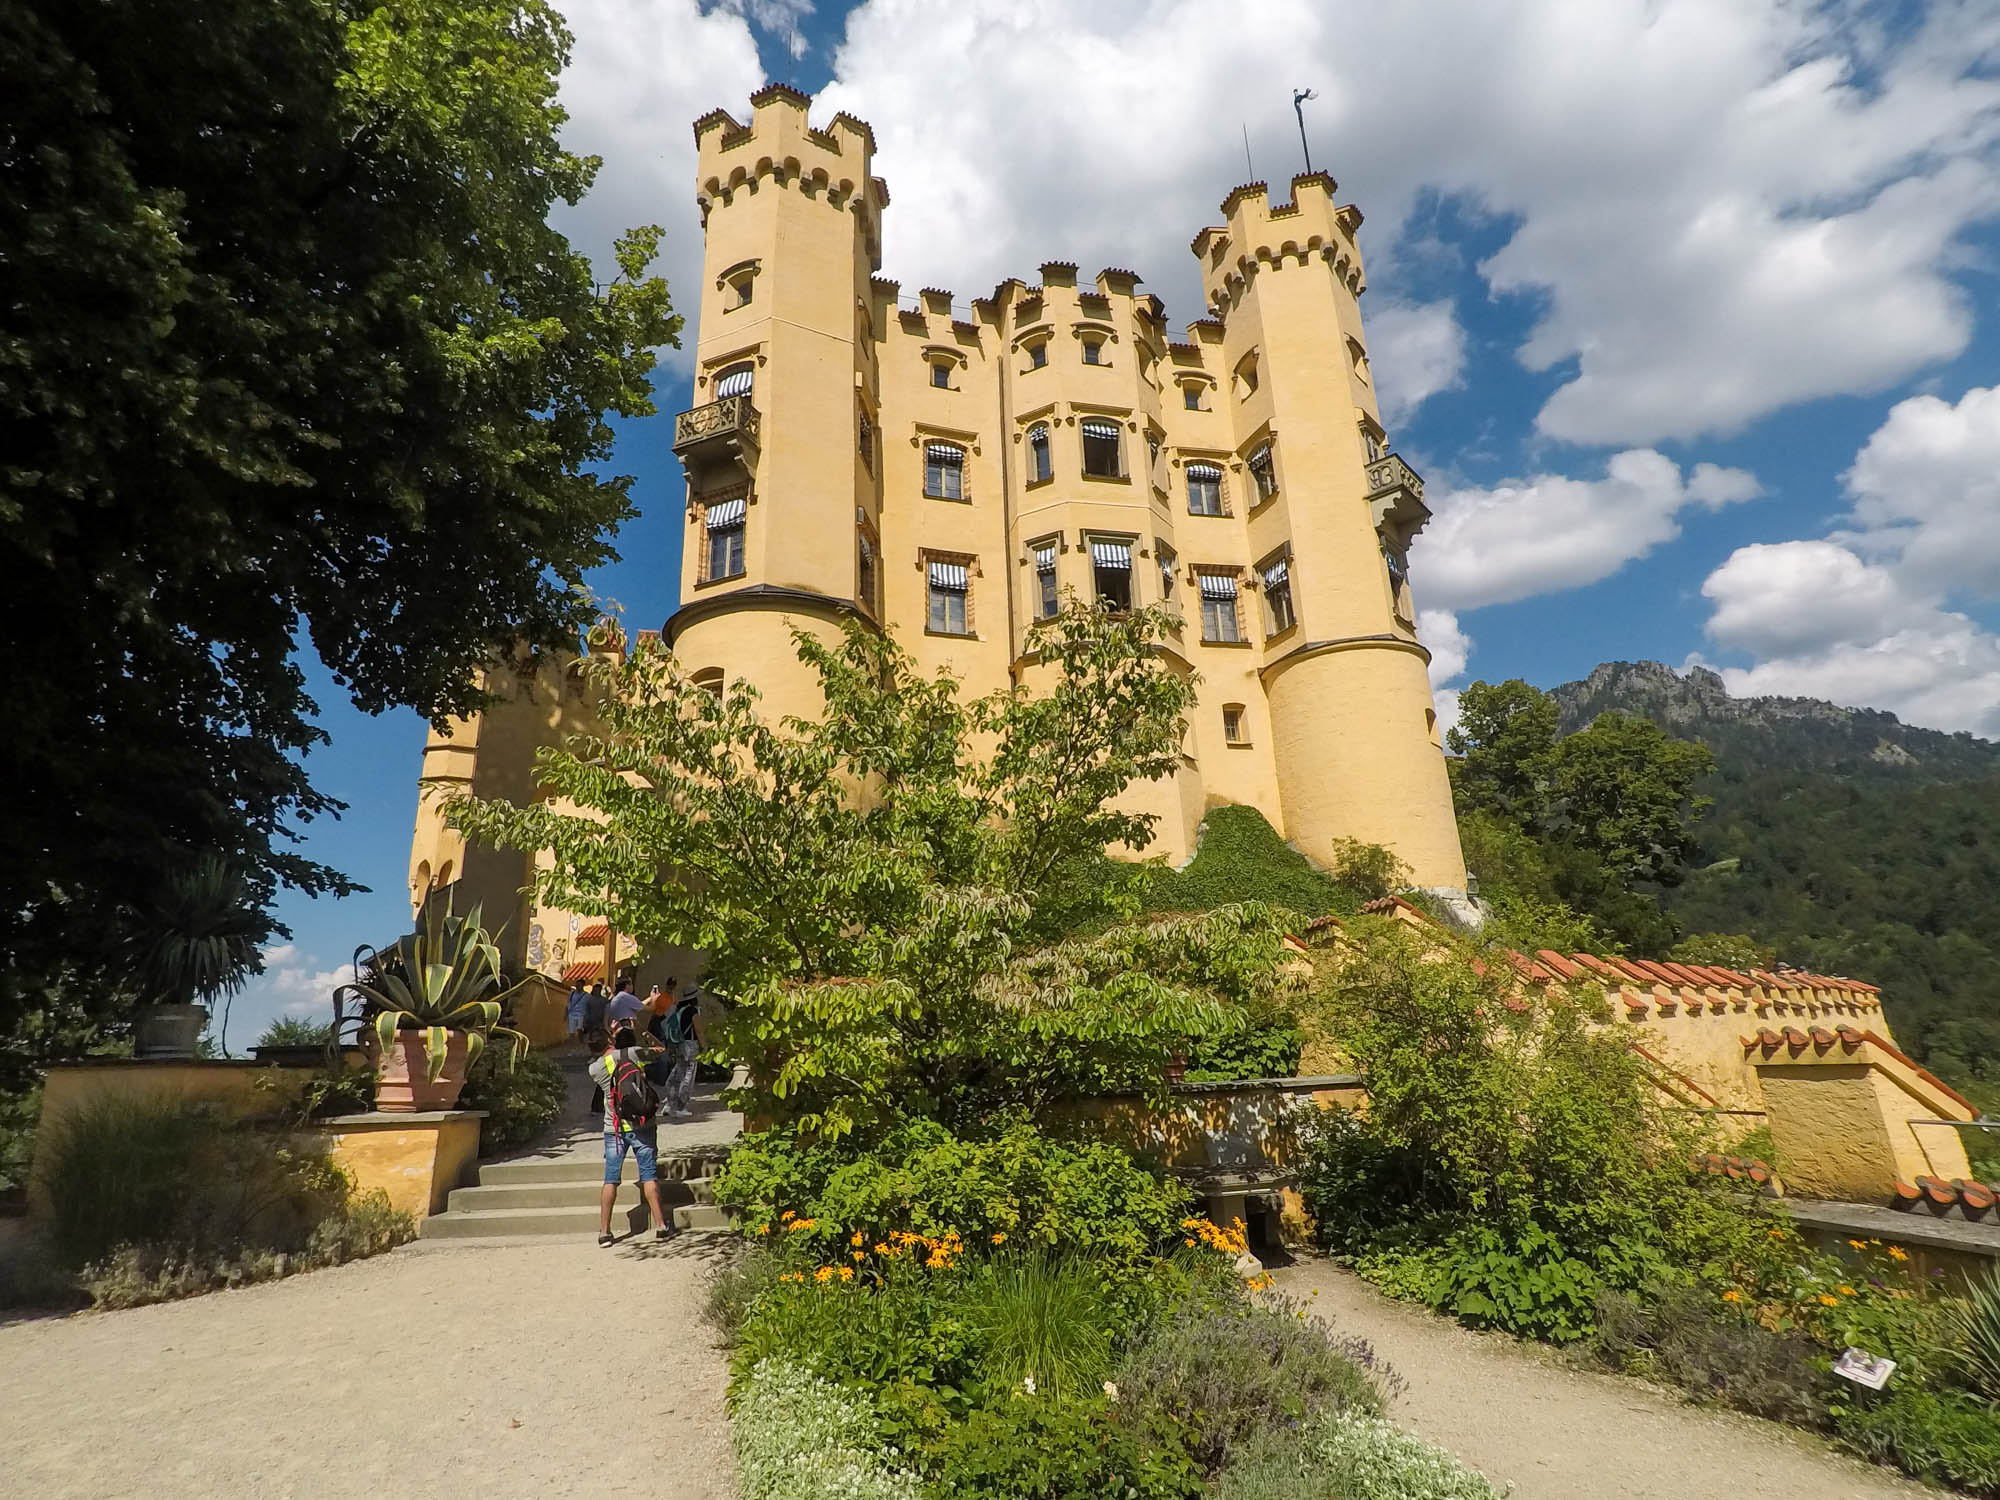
(644,1144)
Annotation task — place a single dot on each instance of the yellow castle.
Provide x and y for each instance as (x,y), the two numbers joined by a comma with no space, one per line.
(949,473)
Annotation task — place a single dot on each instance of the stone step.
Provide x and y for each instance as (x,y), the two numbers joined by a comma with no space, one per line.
(589,1167)
(701,1216)
(571,1194)
(500,1223)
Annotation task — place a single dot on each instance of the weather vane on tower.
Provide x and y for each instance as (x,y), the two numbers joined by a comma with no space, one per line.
(1299,97)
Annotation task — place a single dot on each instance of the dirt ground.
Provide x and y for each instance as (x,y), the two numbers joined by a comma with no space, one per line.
(1522,1417)
(462,1369)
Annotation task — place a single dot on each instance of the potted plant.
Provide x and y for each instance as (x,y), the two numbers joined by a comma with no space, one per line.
(430,1003)
(197,940)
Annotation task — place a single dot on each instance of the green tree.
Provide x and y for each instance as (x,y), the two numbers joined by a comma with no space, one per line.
(288,352)
(863,881)
(1625,792)
(1504,737)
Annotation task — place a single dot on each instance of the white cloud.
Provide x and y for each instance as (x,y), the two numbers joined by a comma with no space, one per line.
(1539,535)
(641,73)
(292,985)
(1417,350)
(780,18)
(1450,646)
(1863,616)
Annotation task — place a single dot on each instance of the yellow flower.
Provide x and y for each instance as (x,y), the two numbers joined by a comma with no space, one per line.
(999,1239)
(823,1274)
(1826,1301)
(1897,1252)
(858,1255)
(856,1238)
(847,1273)
(1857,1244)
(764,1228)
(1847,1291)
(1732,1295)
(786,1215)
(1776,1234)
(886,1249)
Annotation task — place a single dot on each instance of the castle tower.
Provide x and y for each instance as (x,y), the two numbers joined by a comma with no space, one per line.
(782,515)
(1353,730)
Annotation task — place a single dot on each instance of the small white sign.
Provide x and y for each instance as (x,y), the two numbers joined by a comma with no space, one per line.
(1864,1368)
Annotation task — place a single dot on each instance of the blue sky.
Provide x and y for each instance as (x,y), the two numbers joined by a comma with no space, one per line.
(1685,309)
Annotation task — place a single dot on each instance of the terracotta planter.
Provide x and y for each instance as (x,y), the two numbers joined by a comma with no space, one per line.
(167,1031)
(402,1081)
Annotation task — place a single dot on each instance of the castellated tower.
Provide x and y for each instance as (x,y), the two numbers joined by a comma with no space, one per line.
(950,470)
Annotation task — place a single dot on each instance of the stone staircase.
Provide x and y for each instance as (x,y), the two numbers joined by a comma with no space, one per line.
(558,1195)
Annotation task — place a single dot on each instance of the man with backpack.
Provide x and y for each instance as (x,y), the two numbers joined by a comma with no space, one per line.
(631,1114)
(682,1034)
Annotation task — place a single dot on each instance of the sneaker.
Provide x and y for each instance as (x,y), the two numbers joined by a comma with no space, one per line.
(662,1233)
(605,1241)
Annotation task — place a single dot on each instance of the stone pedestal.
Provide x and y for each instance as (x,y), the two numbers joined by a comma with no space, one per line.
(417,1159)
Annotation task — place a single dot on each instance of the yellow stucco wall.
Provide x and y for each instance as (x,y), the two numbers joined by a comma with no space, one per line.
(416,1160)
(1844,1115)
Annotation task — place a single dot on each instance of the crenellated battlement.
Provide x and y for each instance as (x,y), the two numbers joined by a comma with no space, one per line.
(1258,234)
(781,148)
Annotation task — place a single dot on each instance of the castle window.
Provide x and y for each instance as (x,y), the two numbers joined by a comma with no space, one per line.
(941,374)
(1101,455)
(1038,354)
(1219,622)
(1372,441)
(708,680)
(1046,599)
(865,571)
(1232,724)
(944,471)
(1152,448)
(1167,559)
(1265,475)
(1277,575)
(1204,482)
(864,440)
(735,381)
(1111,573)
(741,290)
(1093,352)
(724,526)
(950,592)
(1191,396)
(1039,465)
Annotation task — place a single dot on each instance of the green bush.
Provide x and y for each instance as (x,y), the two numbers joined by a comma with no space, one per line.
(1686,1336)
(1267,1050)
(1040,1317)
(1220,1370)
(293,1031)
(1973,1329)
(1028,1188)
(1945,1437)
(180,1177)
(1241,858)
(801,1437)
(522,1102)
(18,1113)
(904,1327)
(1032,1447)
(1347,1456)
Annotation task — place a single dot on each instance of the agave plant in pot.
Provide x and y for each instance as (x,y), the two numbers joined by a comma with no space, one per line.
(429,1005)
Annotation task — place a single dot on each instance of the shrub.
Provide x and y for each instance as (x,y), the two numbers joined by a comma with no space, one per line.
(1241,858)
(1221,1370)
(902,1327)
(1688,1337)
(18,1113)
(1347,1456)
(800,1437)
(521,1101)
(1269,1049)
(180,1177)
(1031,1447)
(295,1031)
(1941,1436)
(1023,1186)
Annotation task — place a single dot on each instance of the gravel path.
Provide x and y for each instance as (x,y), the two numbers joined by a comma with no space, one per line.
(1522,1416)
(455,1369)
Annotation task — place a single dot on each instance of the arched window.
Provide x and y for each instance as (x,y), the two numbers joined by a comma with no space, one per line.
(1101,455)
(708,680)
(1039,465)
(944,471)
(724,528)
(1204,482)
(1047,601)
(735,381)
(1111,572)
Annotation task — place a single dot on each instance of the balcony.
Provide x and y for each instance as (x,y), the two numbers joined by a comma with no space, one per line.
(719,436)
(1396,499)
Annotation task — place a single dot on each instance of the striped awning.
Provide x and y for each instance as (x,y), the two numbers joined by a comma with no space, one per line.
(1045,557)
(1039,433)
(735,381)
(1204,471)
(1278,574)
(1261,456)
(945,453)
(1097,427)
(726,513)
(945,575)
(1111,554)
(1218,586)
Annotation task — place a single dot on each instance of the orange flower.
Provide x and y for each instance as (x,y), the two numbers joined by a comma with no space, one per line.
(999,1239)
(858,1255)
(847,1273)
(856,1238)
(1826,1301)
(1897,1252)
(823,1275)
(1732,1295)
(1847,1291)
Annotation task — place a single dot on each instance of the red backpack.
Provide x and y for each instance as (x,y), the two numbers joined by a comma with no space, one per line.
(632,1099)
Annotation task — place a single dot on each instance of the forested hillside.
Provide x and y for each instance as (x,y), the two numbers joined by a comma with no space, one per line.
(1849,842)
